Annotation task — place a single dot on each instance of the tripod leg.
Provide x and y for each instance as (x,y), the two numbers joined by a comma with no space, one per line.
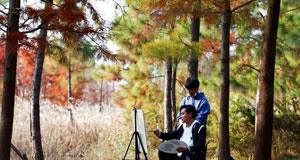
(128,147)
(145,154)
(137,152)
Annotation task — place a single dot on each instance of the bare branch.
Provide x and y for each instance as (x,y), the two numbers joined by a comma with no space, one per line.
(217,4)
(184,42)
(119,6)
(206,10)
(248,65)
(91,38)
(3,12)
(40,26)
(182,11)
(159,76)
(262,16)
(22,156)
(3,6)
(2,29)
(3,24)
(291,10)
(23,24)
(46,20)
(242,5)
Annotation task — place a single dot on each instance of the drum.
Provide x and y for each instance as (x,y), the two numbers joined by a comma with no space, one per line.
(171,146)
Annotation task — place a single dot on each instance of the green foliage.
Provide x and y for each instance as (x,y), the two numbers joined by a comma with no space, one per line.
(107,72)
(242,119)
(212,138)
(145,44)
(286,126)
(164,50)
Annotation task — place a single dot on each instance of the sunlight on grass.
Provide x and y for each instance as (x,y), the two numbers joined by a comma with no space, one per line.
(94,135)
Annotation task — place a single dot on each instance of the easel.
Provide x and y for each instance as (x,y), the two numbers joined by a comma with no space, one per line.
(137,139)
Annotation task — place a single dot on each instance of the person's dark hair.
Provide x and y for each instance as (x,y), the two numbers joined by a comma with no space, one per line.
(189,109)
(191,83)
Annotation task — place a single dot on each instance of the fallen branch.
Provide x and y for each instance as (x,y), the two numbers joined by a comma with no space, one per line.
(22,156)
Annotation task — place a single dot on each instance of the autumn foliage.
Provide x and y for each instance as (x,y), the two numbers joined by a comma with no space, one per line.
(52,84)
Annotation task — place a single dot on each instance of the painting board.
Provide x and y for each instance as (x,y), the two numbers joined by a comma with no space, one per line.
(141,128)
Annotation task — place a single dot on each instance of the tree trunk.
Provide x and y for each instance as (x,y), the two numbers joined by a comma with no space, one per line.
(8,97)
(70,102)
(36,89)
(173,95)
(224,147)
(101,95)
(193,59)
(36,84)
(263,137)
(112,92)
(167,97)
(256,103)
(107,93)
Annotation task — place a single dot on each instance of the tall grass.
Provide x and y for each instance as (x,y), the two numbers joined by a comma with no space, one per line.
(105,135)
(95,135)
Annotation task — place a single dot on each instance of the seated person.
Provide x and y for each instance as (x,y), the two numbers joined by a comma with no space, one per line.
(191,132)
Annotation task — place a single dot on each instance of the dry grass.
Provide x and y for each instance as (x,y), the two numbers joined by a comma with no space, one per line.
(95,135)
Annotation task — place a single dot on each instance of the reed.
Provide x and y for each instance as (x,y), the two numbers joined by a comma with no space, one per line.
(93,135)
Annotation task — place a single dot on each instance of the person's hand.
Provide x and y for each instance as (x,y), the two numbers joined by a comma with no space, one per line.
(180,121)
(181,149)
(156,132)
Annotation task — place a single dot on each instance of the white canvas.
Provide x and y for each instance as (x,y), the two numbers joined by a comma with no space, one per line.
(141,128)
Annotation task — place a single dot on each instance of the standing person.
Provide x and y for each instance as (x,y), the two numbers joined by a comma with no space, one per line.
(196,99)
(191,132)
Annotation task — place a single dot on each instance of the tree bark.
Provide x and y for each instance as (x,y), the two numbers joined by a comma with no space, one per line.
(107,93)
(36,88)
(70,102)
(263,137)
(8,97)
(37,78)
(257,103)
(167,97)
(192,58)
(101,95)
(224,147)
(173,95)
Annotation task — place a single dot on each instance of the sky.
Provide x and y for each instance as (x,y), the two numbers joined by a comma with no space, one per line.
(108,11)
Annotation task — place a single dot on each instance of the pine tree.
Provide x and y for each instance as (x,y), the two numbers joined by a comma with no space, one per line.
(263,136)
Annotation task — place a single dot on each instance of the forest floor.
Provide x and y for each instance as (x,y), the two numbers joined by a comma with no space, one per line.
(91,135)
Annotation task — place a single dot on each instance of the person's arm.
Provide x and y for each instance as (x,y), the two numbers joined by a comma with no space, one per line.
(179,114)
(168,136)
(201,138)
(202,113)
(156,132)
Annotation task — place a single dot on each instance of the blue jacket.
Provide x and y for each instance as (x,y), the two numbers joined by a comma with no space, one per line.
(201,104)
(198,150)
